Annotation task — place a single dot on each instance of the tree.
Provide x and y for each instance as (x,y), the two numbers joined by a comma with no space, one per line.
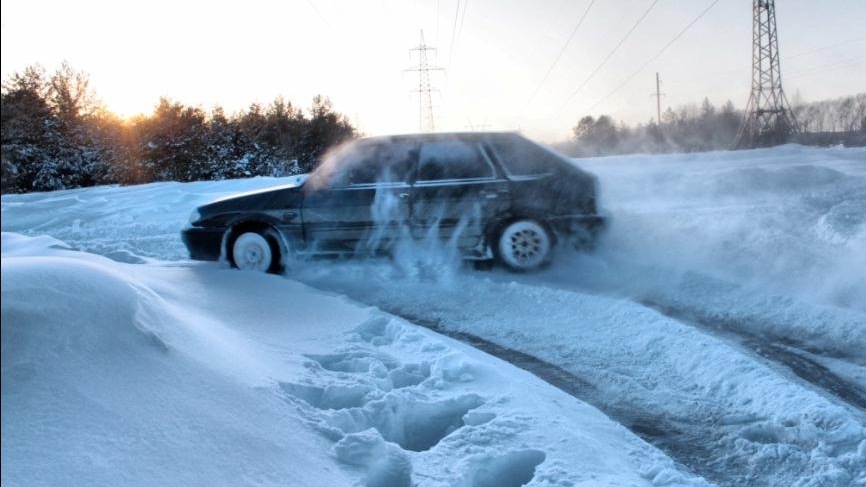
(171,143)
(38,153)
(71,96)
(53,135)
(56,134)
(708,111)
(325,129)
(224,151)
(583,127)
(30,131)
(597,136)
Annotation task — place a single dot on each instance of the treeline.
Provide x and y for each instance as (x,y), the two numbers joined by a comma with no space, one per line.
(847,114)
(57,135)
(704,127)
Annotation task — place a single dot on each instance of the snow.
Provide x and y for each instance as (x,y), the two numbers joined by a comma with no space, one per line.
(791,219)
(195,375)
(715,336)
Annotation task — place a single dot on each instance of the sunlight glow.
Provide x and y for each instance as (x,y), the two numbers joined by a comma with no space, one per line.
(356,53)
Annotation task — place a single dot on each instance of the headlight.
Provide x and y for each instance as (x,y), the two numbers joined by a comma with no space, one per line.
(194,216)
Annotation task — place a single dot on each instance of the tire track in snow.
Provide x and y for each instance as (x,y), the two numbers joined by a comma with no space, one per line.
(794,358)
(728,440)
(687,446)
(817,376)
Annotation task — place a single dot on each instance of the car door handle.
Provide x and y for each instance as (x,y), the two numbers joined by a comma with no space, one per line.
(490,194)
(403,195)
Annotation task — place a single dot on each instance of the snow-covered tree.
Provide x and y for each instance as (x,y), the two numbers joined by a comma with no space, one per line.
(171,143)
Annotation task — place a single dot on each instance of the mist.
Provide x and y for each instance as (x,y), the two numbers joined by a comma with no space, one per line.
(792,220)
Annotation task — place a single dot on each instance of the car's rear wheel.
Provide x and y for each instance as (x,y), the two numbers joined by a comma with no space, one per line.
(255,251)
(524,245)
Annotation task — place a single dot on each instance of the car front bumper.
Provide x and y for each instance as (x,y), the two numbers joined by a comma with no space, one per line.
(203,243)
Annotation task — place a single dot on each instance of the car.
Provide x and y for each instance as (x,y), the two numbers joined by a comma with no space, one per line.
(493,196)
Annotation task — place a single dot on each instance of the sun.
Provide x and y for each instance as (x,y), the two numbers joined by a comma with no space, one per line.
(124,96)
(129,107)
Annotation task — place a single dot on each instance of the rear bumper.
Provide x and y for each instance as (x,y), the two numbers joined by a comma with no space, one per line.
(581,231)
(593,224)
(203,243)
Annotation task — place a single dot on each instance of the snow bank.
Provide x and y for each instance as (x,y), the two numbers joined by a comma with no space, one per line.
(119,374)
(94,395)
(127,223)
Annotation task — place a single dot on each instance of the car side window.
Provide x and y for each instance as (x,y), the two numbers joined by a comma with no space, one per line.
(383,163)
(452,159)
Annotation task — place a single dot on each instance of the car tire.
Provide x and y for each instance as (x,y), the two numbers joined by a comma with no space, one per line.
(255,251)
(524,245)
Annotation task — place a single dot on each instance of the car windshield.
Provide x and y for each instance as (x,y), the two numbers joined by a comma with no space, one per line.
(368,162)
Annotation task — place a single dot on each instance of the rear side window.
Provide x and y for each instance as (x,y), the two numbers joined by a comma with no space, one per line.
(524,158)
(452,159)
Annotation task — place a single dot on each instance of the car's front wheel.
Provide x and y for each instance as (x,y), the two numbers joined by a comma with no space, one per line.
(524,245)
(254,251)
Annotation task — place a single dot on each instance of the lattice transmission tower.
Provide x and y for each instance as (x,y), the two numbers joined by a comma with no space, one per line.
(768,118)
(426,121)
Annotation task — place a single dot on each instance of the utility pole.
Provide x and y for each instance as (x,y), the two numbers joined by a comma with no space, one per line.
(658,94)
(426,121)
(768,119)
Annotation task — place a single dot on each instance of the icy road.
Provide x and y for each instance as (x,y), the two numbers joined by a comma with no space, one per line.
(717,336)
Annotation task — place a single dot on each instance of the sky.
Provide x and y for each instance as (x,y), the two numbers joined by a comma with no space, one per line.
(498,55)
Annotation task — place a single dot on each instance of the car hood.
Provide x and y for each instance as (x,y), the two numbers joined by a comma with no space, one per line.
(298,182)
(275,197)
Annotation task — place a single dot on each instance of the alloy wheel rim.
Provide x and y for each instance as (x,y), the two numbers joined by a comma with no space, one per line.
(525,245)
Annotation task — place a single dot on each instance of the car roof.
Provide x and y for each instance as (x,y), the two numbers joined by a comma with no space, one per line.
(421,137)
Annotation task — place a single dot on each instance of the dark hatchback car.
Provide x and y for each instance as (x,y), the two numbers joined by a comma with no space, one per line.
(490,195)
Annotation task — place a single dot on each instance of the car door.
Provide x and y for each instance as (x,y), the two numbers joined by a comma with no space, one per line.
(457,190)
(365,202)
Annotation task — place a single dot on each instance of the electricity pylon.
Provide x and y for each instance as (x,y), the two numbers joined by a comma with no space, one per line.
(426,122)
(768,119)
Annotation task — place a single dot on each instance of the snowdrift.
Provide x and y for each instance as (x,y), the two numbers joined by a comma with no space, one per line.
(117,374)
(96,393)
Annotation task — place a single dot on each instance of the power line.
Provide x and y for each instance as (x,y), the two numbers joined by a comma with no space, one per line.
(826,67)
(655,56)
(818,49)
(319,13)
(559,56)
(457,31)
(462,20)
(453,33)
(609,55)
(438,19)
(738,71)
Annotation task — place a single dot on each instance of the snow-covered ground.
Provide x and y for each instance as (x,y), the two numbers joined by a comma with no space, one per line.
(716,336)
